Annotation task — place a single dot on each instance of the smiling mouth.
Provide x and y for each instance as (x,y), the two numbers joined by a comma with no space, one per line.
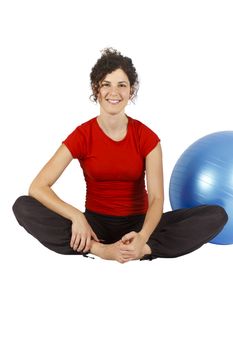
(113,102)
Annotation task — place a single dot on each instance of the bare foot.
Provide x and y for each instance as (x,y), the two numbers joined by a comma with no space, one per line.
(97,249)
(146,250)
(112,251)
(107,251)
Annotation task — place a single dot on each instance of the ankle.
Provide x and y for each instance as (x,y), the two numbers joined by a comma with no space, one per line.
(146,249)
(97,248)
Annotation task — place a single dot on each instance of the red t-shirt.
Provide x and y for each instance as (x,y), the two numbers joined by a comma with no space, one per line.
(114,171)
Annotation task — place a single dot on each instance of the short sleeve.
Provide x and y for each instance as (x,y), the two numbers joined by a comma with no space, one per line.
(75,143)
(148,140)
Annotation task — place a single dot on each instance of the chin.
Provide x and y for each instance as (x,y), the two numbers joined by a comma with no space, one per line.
(116,112)
(115,109)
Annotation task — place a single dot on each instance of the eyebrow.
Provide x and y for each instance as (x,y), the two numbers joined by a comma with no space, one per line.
(119,82)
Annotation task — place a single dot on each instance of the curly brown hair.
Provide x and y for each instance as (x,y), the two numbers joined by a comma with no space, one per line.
(109,61)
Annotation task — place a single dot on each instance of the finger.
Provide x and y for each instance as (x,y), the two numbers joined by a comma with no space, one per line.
(129,253)
(128,237)
(126,247)
(76,242)
(127,242)
(127,256)
(88,245)
(81,244)
(94,236)
(72,240)
(121,260)
(126,250)
(124,260)
(127,260)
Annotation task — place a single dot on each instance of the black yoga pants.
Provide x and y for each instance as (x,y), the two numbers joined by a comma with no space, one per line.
(179,231)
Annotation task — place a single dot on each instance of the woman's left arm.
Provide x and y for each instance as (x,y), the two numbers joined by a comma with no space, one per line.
(155,189)
(133,242)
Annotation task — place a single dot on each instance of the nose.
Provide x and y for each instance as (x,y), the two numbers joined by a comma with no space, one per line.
(113,90)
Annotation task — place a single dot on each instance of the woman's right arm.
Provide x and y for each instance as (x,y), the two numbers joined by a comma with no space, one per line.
(40,189)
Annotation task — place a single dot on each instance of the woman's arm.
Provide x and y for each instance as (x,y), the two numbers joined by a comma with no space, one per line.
(134,245)
(40,188)
(155,189)
(81,231)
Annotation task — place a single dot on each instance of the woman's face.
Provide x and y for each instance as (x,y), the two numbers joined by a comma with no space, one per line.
(114,92)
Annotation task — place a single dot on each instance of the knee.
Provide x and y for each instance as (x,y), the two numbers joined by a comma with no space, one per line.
(20,207)
(220,214)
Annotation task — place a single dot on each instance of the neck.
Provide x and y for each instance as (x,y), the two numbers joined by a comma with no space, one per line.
(113,122)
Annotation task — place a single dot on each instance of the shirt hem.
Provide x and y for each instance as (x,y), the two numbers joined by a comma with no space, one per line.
(113,216)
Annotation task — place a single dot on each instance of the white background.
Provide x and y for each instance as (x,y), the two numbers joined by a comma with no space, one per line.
(183,54)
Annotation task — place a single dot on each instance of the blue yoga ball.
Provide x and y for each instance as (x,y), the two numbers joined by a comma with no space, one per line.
(204,175)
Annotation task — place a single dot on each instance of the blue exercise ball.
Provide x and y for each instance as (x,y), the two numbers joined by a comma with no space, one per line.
(204,175)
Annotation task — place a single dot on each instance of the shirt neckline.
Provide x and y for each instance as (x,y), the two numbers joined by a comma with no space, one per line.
(108,137)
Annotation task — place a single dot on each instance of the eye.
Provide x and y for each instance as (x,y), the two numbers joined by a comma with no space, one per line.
(122,85)
(105,84)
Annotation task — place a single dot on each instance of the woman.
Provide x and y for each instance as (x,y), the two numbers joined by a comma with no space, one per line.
(122,220)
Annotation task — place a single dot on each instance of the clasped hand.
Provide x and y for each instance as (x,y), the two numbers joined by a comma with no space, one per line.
(131,247)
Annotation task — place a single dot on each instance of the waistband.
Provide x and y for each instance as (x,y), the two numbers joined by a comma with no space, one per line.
(114,216)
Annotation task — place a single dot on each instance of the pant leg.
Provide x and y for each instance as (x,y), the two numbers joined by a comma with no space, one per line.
(182,231)
(48,227)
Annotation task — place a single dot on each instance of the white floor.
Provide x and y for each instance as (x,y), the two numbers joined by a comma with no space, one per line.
(51,301)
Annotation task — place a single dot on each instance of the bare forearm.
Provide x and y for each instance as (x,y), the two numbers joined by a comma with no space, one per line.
(152,218)
(49,198)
